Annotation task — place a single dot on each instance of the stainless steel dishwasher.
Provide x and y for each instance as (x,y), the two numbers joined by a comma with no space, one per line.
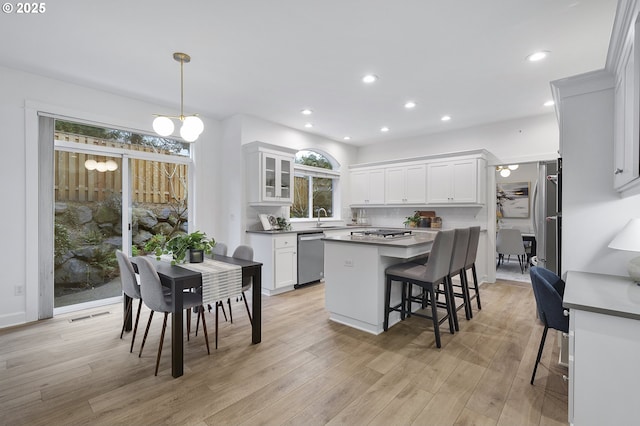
(310,258)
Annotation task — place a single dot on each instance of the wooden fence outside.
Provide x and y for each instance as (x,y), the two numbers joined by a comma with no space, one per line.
(151,181)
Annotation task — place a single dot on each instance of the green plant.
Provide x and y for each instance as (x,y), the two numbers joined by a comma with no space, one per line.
(62,242)
(412,220)
(179,245)
(155,245)
(93,237)
(283,223)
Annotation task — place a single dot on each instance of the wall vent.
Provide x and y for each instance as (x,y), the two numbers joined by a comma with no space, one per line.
(86,317)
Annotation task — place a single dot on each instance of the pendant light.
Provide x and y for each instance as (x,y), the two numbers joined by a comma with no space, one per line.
(192,125)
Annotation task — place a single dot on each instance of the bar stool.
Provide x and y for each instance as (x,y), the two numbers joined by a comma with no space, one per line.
(458,259)
(428,276)
(470,263)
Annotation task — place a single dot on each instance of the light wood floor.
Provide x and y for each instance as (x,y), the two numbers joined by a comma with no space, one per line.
(306,371)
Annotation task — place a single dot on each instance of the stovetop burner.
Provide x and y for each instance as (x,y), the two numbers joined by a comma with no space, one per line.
(382,233)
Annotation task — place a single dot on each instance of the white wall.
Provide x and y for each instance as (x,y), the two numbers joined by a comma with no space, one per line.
(251,129)
(20,166)
(513,141)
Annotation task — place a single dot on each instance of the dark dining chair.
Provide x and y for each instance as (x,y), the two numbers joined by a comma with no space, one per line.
(548,290)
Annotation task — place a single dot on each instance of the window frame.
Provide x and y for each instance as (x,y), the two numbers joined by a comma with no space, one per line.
(300,170)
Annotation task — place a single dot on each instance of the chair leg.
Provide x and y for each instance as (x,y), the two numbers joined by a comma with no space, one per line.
(164,327)
(451,303)
(217,304)
(126,315)
(135,327)
(535,367)
(464,284)
(476,287)
(434,315)
(405,299)
(204,327)
(387,301)
(230,313)
(146,331)
(246,305)
(198,321)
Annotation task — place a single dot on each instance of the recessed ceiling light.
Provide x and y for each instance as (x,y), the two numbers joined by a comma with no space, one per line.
(369,78)
(306,111)
(410,105)
(347,138)
(445,118)
(308,125)
(549,103)
(384,129)
(537,56)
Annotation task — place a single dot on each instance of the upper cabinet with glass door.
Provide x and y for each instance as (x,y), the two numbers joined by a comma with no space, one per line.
(269,174)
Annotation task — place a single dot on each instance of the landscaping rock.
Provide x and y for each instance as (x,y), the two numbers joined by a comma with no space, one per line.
(141,237)
(144,218)
(84,214)
(77,271)
(105,214)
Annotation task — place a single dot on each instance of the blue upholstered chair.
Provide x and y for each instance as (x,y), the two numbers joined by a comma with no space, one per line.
(548,289)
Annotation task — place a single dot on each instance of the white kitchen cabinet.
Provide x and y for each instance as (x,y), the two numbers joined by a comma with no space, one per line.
(405,184)
(367,187)
(269,174)
(286,261)
(604,324)
(278,254)
(626,169)
(456,181)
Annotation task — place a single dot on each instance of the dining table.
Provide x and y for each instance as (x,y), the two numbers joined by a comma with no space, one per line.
(178,279)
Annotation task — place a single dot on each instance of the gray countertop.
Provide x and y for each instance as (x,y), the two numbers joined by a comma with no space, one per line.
(604,294)
(308,230)
(415,239)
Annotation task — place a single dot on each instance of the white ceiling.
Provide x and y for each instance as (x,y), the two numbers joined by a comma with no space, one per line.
(272,58)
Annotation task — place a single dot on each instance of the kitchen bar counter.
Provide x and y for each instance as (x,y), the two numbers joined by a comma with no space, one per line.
(310,230)
(354,270)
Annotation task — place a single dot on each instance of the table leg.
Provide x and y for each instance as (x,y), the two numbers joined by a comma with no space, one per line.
(256,332)
(177,367)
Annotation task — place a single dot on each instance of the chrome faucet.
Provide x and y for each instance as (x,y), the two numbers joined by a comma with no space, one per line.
(325,215)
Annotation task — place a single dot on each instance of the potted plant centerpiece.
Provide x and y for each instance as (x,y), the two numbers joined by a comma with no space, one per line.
(196,244)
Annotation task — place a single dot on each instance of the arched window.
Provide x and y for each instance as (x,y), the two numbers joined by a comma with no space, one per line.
(315,185)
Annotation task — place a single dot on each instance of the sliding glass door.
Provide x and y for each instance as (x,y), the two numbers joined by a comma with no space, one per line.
(112,190)
(87,227)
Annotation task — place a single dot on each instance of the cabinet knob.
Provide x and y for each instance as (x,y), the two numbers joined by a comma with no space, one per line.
(565,377)
(617,171)
(565,312)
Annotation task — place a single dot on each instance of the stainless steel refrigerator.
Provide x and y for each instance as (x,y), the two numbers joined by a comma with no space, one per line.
(547,215)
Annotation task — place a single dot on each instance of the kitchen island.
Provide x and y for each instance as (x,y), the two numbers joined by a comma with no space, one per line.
(354,267)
